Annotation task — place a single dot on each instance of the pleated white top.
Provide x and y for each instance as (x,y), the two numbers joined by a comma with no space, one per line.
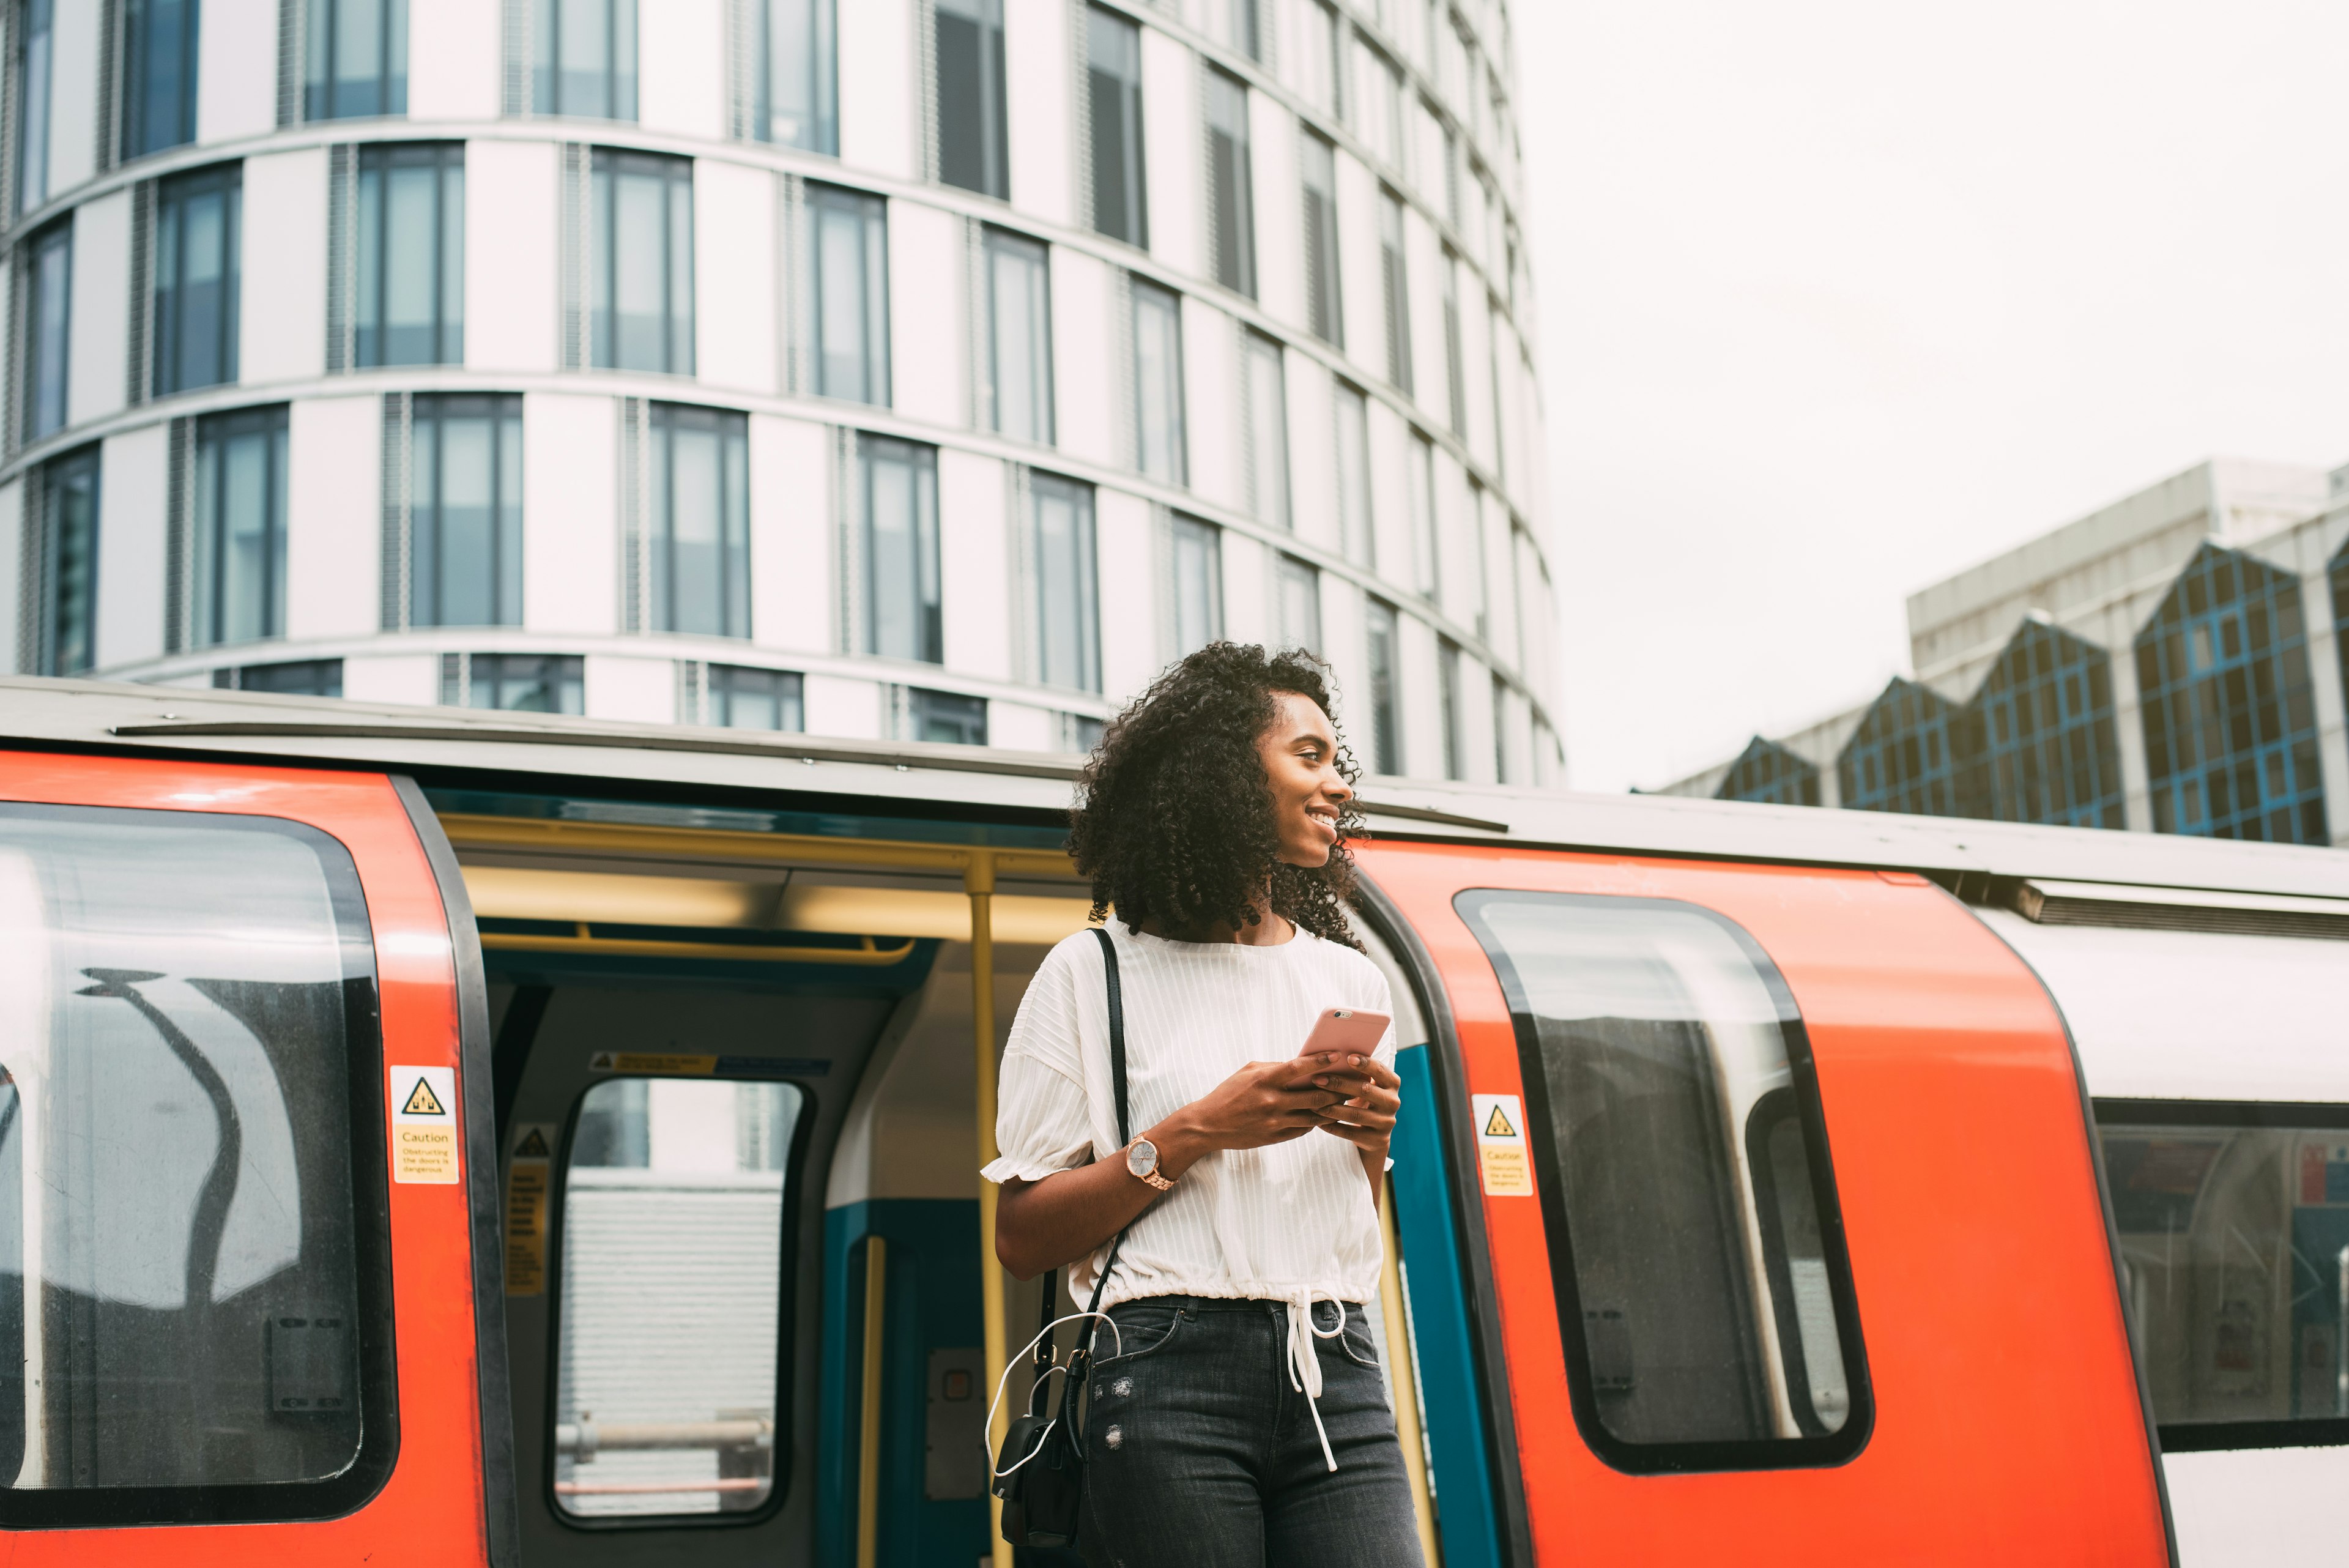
(1290,1222)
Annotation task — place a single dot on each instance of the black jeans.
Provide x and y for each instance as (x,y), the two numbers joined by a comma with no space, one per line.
(1199,1453)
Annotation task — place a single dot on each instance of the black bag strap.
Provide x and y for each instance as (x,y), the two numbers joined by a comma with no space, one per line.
(1081,1356)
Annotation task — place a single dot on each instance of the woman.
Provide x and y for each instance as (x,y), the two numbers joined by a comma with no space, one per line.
(1238,1414)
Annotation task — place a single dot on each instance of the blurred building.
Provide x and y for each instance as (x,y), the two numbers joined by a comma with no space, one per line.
(2173,663)
(893,369)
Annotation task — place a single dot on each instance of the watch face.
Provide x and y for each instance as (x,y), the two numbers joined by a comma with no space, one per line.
(1141,1157)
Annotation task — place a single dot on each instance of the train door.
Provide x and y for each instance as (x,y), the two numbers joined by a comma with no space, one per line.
(244,1159)
(1794,1228)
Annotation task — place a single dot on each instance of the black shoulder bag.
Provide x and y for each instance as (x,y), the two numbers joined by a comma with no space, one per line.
(1040,1473)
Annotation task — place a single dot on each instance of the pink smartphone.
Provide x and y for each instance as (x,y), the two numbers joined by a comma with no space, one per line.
(1344,1031)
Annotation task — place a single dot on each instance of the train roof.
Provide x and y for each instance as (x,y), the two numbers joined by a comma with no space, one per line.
(586,755)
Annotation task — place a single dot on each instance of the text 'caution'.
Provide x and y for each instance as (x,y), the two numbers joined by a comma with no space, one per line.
(424,1125)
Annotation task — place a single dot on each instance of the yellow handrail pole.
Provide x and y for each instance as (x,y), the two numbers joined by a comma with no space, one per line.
(979,881)
(868,1430)
(1403,1375)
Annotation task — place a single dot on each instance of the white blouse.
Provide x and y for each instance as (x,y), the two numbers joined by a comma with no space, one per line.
(1291,1223)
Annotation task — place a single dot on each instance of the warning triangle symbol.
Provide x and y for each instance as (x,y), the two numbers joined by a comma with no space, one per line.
(423,1102)
(1497,1126)
(533,1146)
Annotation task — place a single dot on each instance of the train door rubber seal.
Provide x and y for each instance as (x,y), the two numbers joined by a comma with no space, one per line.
(500,1496)
(1467,1215)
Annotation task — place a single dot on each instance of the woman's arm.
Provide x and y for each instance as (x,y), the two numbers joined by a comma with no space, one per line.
(1042,1224)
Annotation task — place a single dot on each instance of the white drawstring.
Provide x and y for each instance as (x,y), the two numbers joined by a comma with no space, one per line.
(1305,1363)
(1005,1382)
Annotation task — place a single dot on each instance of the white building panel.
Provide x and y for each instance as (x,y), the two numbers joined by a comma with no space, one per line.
(99,334)
(395,677)
(334,510)
(1455,593)
(1040,61)
(1247,589)
(1211,398)
(681,67)
(1021,727)
(73,94)
(735,334)
(513,308)
(848,709)
(1362,296)
(1342,645)
(237,69)
(929,378)
(12,566)
(975,564)
(282,330)
(1173,149)
(1125,548)
(1477,372)
(879,114)
(622,686)
(453,61)
(791,535)
(1312,452)
(1084,390)
(1280,211)
(133,482)
(1391,490)
(570,529)
(1423,734)
(1427,160)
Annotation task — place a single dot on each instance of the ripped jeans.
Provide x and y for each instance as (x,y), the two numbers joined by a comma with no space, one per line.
(1201,1451)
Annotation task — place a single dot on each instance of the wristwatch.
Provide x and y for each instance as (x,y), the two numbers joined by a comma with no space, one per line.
(1141,1158)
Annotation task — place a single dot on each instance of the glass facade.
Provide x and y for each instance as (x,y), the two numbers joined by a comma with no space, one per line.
(160,53)
(36,56)
(197,249)
(239,524)
(1912,752)
(411,254)
(1068,584)
(1231,182)
(584,59)
(1159,448)
(1265,393)
(1356,534)
(1384,660)
(516,682)
(643,261)
(358,63)
(1113,97)
(465,509)
(289,678)
(967,51)
(1324,306)
(1394,282)
(48,327)
(700,522)
(898,495)
(946,717)
(1767,772)
(1019,336)
(745,699)
(2229,716)
(1448,716)
(799,74)
(69,564)
(851,241)
(1297,604)
(1197,574)
(2050,752)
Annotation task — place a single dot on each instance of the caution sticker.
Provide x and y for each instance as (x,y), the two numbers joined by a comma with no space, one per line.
(424,1125)
(653,1062)
(1501,1146)
(526,1187)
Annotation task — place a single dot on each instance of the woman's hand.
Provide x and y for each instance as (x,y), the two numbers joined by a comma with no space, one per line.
(1371,1095)
(1264,1102)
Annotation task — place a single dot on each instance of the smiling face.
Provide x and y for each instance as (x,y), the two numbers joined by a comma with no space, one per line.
(1300,758)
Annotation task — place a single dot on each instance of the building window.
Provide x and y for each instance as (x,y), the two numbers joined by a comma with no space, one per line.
(2229,717)
(465,509)
(1198,583)
(898,492)
(946,717)
(411,254)
(1113,86)
(1321,73)
(1767,772)
(743,699)
(1297,604)
(1454,369)
(1068,584)
(239,526)
(1019,336)
(48,307)
(700,534)
(1913,751)
(798,102)
(515,682)
(1426,539)
(196,282)
(1317,165)
(1450,171)
(1448,708)
(1158,444)
(1395,284)
(1381,633)
(158,69)
(1267,402)
(69,564)
(1231,182)
(1501,731)
(358,59)
(35,51)
(1246,20)
(2050,750)
(1358,538)
(2340,577)
(293,678)
(643,261)
(584,61)
(967,49)
(851,238)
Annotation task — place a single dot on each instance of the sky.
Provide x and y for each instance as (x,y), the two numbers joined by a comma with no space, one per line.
(1836,297)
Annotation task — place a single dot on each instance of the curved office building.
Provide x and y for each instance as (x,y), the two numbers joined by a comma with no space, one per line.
(929,369)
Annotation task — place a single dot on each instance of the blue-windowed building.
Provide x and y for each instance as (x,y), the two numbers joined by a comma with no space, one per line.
(1766,771)
(1915,751)
(2050,748)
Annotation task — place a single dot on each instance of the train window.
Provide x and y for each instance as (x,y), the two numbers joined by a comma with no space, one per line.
(1697,1252)
(193,1320)
(2234,1242)
(675,1218)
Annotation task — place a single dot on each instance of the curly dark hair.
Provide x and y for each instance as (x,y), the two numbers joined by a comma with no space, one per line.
(1161,825)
